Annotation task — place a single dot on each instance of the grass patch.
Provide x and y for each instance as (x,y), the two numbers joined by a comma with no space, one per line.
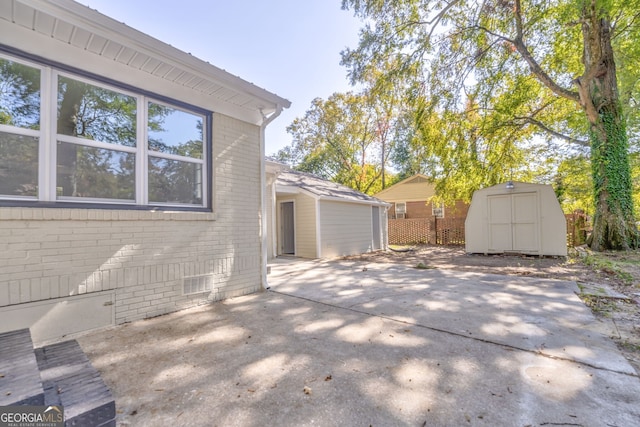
(602,261)
(599,305)
(422,266)
(629,346)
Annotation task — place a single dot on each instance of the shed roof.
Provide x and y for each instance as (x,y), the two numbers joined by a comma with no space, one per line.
(292,182)
(74,25)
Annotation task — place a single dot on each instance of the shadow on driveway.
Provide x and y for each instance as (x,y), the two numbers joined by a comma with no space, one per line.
(345,343)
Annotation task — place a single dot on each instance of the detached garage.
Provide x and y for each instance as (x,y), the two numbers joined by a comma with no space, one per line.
(516,217)
(315,218)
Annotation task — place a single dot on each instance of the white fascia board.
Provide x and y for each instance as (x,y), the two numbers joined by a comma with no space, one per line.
(95,22)
(362,202)
(291,189)
(287,189)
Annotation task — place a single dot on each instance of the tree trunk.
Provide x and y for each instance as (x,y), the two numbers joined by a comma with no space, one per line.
(614,223)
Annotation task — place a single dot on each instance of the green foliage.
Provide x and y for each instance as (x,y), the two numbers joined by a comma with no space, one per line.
(497,91)
(478,107)
(346,139)
(574,185)
(612,187)
(610,165)
(634,161)
(605,263)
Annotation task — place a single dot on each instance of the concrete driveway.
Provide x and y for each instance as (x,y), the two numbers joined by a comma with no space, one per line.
(351,344)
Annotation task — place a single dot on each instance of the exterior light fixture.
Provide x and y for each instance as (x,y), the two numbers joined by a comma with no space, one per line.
(510,185)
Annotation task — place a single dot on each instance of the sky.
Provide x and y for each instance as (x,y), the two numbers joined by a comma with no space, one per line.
(288,47)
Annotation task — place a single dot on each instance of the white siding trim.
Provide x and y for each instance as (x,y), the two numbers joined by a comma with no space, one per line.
(318,230)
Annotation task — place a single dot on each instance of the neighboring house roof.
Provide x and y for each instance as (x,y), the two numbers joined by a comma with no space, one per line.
(416,188)
(293,182)
(76,26)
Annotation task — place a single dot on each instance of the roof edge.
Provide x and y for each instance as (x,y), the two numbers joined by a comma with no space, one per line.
(108,27)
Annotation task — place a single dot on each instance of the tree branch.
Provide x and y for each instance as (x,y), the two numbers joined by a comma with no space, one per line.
(436,19)
(535,68)
(555,133)
(617,31)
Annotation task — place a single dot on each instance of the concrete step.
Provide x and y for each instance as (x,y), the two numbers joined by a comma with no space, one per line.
(20,382)
(58,374)
(70,380)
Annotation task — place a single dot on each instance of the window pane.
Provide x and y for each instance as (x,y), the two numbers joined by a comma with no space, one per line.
(19,95)
(18,165)
(95,113)
(175,131)
(95,172)
(172,181)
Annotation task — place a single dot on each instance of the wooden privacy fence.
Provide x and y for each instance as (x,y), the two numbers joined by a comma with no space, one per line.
(450,231)
(435,231)
(578,228)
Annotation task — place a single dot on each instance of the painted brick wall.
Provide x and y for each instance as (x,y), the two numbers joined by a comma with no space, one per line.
(143,256)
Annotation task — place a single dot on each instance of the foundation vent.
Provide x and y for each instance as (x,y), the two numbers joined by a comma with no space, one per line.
(197,284)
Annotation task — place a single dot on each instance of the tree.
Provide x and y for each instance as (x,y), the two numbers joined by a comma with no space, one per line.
(343,139)
(534,69)
(573,184)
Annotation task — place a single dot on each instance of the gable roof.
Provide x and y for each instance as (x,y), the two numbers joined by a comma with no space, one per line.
(39,26)
(415,188)
(293,182)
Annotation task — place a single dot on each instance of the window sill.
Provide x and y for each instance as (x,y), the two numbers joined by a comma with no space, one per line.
(63,214)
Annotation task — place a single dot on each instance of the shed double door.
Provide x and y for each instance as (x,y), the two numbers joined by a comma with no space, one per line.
(513,223)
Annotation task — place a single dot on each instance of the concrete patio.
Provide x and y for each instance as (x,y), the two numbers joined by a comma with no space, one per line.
(352,344)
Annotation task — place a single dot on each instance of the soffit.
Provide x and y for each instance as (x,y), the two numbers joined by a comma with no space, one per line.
(86,29)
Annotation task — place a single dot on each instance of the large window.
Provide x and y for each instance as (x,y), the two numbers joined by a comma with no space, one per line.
(65,138)
(19,129)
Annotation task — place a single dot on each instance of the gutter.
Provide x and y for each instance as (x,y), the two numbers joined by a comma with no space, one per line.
(263,194)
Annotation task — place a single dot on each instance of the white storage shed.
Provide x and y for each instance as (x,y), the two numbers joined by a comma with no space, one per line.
(516,217)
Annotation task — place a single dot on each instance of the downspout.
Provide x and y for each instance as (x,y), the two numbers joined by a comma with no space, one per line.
(263,193)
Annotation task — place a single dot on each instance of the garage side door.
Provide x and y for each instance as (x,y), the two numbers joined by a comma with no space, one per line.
(287,225)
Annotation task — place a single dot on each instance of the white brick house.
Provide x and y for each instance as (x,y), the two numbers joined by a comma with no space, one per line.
(136,195)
